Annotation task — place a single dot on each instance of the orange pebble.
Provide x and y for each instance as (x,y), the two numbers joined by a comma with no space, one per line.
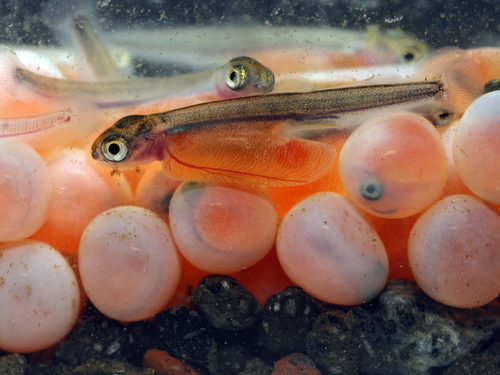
(295,364)
(164,364)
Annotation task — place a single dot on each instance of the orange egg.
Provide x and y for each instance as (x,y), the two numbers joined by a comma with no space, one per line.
(81,190)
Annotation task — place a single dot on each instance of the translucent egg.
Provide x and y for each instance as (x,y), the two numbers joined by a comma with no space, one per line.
(454,184)
(128,263)
(394,166)
(476,147)
(222,227)
(25,191)
(39,296)
(155,190)
(327,246)
(81,190)
(454,252)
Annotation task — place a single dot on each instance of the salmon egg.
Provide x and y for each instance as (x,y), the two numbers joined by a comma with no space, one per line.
(39,295)
(81,190)
(223,227)
(476,147)
(327,246)
(454,184)
(394,166)
(454,252)
(155,190)
(25,191)
(128,263)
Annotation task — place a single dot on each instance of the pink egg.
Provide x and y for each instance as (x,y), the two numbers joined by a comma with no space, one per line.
(25,191)
(327,246)
(128,263)
(454,184)
(454,252)
(155,190)
(81,190)
(394,166)
(39,296)
(476,148)
(223,227)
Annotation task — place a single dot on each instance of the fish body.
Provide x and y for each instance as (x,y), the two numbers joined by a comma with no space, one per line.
(239,77)
(250,139)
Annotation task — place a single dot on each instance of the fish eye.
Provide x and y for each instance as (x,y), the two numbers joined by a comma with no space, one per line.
(236,77)
(443,118)
(115,148)
(411,53)
(372,189)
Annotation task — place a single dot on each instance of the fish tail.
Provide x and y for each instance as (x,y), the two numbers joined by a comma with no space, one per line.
(10,81)
(461,76)
(11,127)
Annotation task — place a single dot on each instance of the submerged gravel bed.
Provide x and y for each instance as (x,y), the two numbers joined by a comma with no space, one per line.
(228,332)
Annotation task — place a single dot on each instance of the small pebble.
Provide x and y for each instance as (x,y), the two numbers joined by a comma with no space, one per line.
(295,364)
(109,367)
(330,344)
(229,359)
(375,352)
(225,303)
(286,319)
(101,338)
(164,364)
(186,335)
(424,333)
(472,364)
(13,364)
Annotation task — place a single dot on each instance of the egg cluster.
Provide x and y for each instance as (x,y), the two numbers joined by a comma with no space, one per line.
(401,200)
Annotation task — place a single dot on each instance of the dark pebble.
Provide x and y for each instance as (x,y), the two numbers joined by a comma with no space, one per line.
(186,335)
(287,318)
(256,366)
(331,345)
(225,303)
(109,367)
(229,360)
(375,353)
(102,338)
(13,364)
(38,368)
(472,364)
(426,334)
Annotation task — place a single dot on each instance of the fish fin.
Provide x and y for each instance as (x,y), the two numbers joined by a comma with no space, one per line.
(9,77)
(461,76)
(265,157)
(292,84)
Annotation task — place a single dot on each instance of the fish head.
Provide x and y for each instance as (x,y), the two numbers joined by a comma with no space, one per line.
(132,141)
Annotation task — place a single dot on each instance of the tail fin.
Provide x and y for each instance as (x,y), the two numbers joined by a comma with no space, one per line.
(461,76)
(9,77)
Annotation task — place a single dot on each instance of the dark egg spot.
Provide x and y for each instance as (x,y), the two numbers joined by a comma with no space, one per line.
(165,203)
(492,85)
(372,189)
